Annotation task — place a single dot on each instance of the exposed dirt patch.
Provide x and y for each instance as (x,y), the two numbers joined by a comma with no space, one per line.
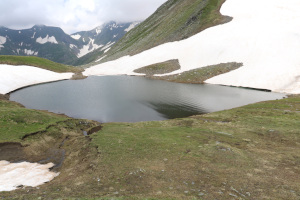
(12,152)
(4,96)
(78,76)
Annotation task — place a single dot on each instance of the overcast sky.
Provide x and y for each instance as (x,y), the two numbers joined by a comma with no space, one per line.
(73,15)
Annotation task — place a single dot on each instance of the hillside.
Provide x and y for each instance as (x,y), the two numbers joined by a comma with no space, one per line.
(264,39)
(175,20)
(38,62)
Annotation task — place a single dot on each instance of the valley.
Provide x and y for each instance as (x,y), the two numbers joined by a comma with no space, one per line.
(218,149)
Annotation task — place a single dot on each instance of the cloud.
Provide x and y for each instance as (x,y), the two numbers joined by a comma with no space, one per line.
(73,15)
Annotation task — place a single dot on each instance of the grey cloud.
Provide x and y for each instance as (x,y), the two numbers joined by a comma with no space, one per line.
(73,15)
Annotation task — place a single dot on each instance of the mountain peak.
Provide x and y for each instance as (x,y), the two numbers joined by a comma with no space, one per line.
(39,26)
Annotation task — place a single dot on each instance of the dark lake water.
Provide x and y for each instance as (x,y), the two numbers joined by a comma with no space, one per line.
(132,99)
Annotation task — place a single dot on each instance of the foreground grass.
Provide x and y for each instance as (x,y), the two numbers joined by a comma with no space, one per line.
(250,152)
(16,122)
(37,62)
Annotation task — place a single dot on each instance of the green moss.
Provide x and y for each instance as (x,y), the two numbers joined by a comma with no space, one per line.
(37,62)
(159,68)
(16,121)
(201,74)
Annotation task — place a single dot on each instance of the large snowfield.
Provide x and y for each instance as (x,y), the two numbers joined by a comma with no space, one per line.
(264,35)
(15,77)
(13,175)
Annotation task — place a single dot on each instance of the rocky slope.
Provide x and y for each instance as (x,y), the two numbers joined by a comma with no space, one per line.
(174,20)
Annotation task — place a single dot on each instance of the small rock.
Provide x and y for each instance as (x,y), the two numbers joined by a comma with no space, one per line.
(201,194)
(186,192)
(159,192)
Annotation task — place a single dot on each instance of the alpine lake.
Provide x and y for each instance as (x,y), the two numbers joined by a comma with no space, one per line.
(134,99)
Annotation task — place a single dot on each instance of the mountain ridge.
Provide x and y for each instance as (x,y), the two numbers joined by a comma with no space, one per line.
(54,44)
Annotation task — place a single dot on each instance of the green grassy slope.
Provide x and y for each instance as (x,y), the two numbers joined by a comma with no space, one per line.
(175,20)
(250,152)
(37,62)
(16,121)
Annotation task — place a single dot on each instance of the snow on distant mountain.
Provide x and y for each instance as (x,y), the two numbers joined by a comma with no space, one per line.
(101,36)
(54,44)
(43,41)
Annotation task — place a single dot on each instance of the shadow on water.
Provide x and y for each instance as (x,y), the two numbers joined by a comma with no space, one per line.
(169,111)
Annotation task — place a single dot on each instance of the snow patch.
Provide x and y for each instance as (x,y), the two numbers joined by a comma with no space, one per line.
(15,77)
(46,39)
(33,35)
(265,38)
(30,52)
(106,50)
(20,32)
(13,175)
(98,31)
(72,46)
(100,59)
(88,48)
(109,44)
(2,40)
(76,37)
(132,26)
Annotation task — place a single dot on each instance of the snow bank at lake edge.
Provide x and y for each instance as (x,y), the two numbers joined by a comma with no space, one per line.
(14,77)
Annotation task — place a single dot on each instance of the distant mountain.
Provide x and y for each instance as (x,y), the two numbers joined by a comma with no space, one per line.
(42,41)
(54,44)
(100,39)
